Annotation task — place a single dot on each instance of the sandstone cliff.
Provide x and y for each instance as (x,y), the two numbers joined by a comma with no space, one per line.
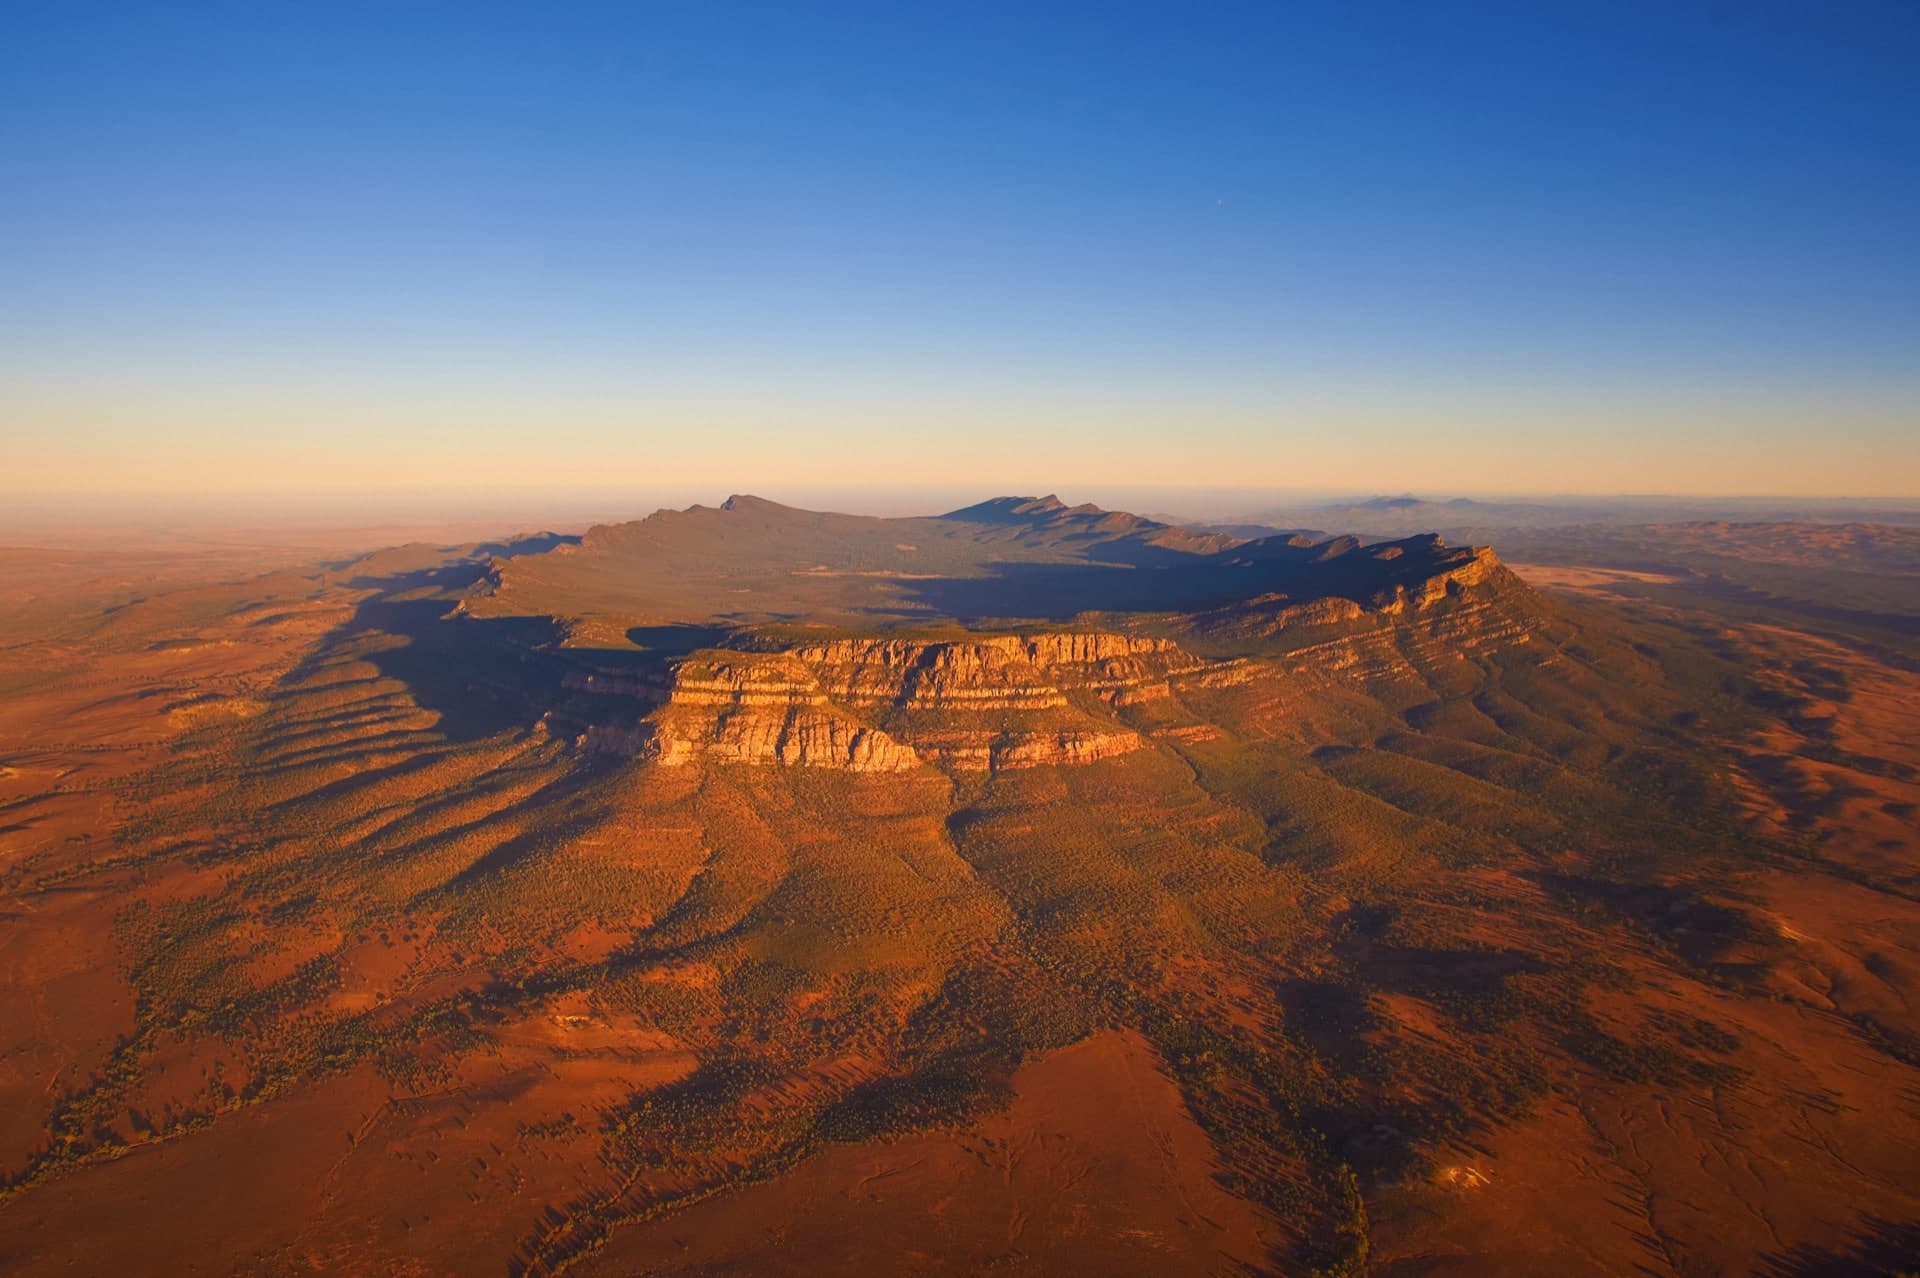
(1055,697)
(755,708)
(884,705)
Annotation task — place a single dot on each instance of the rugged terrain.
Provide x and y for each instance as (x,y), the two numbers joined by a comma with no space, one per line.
(1032,887)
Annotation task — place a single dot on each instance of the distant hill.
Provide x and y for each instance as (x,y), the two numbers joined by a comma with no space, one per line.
(1465,517)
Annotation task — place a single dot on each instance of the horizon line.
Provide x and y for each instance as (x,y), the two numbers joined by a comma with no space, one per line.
(720,492)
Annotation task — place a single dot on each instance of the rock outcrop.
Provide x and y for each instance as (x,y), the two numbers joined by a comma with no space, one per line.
(888,705)
(993,672)
(762,708)
(1420,579)
(1057,698)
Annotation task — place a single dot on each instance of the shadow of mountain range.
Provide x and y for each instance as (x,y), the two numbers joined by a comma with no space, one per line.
(479,676)
(486,675)
(1134,577)
(1882,1249)
(533,544)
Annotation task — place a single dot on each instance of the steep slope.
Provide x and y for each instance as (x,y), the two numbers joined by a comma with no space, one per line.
(993,701)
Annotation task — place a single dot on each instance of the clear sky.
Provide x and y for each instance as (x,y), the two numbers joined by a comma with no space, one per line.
(1594,247)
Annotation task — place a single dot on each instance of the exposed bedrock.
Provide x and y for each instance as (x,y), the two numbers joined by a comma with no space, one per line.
(1054,698)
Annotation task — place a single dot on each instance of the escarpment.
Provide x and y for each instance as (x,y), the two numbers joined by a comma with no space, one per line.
(889,705)
(765,708)
(1017,633)
(1466,594)
(1048,699)
(993,672)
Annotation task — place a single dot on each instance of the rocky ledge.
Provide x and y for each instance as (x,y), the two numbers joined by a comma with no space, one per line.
(889,705)
(1042,699)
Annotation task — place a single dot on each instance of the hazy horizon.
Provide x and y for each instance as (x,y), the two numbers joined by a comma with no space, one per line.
(336,519)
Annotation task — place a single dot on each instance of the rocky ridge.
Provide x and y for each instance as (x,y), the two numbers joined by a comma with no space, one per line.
(890,705)
(1472,580)
(1118,666)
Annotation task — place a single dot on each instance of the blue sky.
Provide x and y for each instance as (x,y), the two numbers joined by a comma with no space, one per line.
(1530,247)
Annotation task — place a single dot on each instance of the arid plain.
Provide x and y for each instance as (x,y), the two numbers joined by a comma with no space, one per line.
(1032,888)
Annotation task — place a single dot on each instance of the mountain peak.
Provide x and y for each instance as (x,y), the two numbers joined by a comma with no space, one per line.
(748,504)
(1014,510)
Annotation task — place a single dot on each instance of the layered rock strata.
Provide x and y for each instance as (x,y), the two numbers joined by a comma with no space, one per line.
(1055,698)
(887,705)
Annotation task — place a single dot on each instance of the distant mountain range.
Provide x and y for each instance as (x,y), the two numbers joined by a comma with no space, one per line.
(1458,517)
